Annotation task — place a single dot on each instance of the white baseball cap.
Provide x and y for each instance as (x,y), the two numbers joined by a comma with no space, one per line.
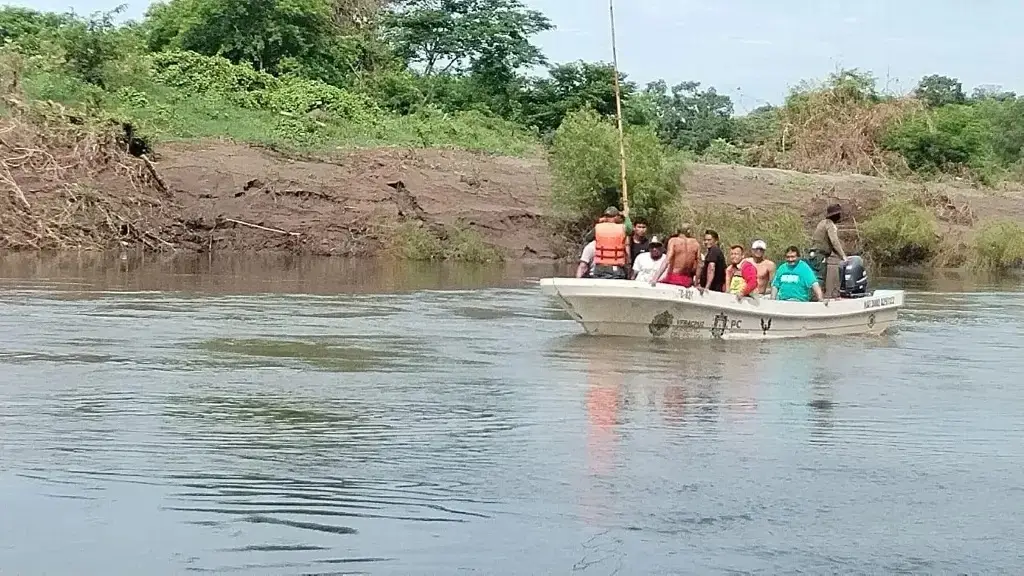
(758,245)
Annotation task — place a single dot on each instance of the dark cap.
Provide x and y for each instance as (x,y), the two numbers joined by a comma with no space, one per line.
(611,211)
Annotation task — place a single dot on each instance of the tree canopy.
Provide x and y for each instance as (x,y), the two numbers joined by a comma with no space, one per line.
(481,59)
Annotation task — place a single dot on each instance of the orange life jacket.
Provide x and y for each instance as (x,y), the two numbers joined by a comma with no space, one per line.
(609,244)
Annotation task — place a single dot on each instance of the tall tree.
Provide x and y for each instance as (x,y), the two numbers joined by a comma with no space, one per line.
(688,117)
(936,91)
(268,34)
(570,87)
(458,36)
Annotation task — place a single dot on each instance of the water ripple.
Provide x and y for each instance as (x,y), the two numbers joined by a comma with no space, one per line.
(453,430)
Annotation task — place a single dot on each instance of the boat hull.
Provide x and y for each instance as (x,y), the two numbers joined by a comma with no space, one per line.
(638,310)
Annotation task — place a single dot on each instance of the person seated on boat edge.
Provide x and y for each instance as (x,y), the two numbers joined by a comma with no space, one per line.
(611,249)
(741,275)
(794,279)
(826,251)
(586,264)
(765,267)
(648,264)
(681,260)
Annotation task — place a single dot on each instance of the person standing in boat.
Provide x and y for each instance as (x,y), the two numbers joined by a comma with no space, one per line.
(680,263)
(827,251)
(712,274)
(795,280)
(638,242)
(611,246)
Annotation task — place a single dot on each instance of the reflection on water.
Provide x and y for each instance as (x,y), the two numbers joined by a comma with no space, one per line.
(250,274)
(221,427)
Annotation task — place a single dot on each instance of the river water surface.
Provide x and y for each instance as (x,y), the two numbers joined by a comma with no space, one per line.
(323,417)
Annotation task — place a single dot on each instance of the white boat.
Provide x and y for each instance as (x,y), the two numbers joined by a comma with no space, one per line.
(637,309)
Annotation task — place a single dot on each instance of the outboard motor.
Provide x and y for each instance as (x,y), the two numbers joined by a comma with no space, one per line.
(853,278)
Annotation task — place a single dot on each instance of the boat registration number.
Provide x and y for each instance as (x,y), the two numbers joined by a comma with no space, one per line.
(877,302)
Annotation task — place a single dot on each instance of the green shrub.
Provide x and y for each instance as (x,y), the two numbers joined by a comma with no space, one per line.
(193,73)
(900,232)
(300,96)
(467,245)
(999,245)
(779,227)
(413,240)
(722,152)
(584,160)
(953,139)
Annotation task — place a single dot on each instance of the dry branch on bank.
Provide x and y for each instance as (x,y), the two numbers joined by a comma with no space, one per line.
(836,131)
(55,173)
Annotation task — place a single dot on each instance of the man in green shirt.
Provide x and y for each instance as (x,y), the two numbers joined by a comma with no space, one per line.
(795,280)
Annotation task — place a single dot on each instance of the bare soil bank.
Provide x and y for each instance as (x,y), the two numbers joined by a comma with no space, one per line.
(226,196)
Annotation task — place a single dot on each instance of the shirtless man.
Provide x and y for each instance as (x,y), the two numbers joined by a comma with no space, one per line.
(765,267)
(681,260)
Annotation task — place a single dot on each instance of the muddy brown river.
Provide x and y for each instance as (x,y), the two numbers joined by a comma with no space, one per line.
(289,416)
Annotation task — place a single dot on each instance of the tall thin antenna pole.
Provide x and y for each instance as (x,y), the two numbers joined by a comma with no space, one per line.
(618,112)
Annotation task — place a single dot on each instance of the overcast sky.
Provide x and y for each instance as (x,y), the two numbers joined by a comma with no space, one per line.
(755,49)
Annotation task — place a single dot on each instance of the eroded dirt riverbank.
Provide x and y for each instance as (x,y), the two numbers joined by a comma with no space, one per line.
(220,196)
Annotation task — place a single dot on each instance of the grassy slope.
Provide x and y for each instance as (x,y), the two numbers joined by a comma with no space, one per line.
(161,113)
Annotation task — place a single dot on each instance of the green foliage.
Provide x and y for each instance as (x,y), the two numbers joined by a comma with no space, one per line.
(457,36)
(900,232)
(688,117)
(948,139)
(267,34)
(721,151)
(1005,124)
(571,87)
(301,96)
(584,160)
(325,73)
(937,91)
(413,240)
(91,45)
(779,227)
(27,27)
(193,73)
(761,125)
(999,246)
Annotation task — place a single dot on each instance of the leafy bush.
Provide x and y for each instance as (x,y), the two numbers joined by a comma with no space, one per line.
(721,151)
(194,73)
(30,31)
(300,96)
(198,74)
(999,245)
(952,139)
(779,228)
(584,161)
(413,240)
(900,232)
(1005,120)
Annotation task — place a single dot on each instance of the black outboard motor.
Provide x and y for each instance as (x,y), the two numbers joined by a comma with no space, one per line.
(853,278)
